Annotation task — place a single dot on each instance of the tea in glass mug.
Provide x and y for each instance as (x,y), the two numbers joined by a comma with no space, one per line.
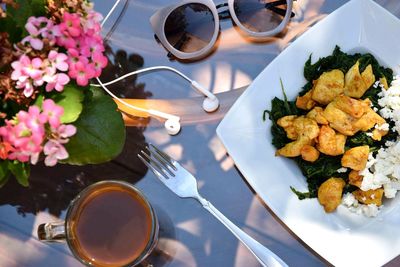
(110,223)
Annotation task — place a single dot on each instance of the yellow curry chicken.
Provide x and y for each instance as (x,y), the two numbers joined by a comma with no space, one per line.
(335,112)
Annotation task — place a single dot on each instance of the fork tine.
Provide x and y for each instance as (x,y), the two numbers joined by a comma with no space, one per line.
(162,162)
(167,159)
(153,165)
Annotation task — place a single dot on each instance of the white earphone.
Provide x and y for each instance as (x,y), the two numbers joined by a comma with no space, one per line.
(172,123)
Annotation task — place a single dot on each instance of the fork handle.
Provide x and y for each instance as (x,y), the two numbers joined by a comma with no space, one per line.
(265,256)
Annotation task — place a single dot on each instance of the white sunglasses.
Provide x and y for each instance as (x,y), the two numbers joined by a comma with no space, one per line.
(189,30)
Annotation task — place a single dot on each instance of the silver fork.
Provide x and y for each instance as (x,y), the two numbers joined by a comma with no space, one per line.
(184,184)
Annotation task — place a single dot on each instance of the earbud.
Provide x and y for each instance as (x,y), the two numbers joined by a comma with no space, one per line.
(172,126)
(210,104)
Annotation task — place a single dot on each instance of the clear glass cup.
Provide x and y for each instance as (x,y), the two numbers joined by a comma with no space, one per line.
(110,223)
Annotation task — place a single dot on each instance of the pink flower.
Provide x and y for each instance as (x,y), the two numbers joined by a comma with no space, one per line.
(34,120)
(58,60)
(27,86)
(54,152)
(58,81)
(35,42)
(25,134)
(82,73)
(33,68)
(66,41)
(54,148)
(38,28)
(100,62)
(71,24)
(19,74)
(53,112)
(91,46)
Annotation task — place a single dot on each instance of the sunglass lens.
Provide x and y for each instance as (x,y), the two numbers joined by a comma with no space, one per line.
(260,15)
(190,27)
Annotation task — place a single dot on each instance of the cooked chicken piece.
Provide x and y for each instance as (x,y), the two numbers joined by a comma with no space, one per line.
(340,120)
(384,82)
(367,101)
(287,124)
(330,193)
(351,106)
(378,134)
(305,102)
(293,149)
(368,76)
(355,178)
(329,142)
(356,158)
(370,196)
(309,153)
(306,127)
(329,85)
(368,120)
(306,130)
(355,85)
(317,114)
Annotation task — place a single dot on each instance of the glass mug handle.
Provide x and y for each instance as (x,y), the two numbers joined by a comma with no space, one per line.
(52,232)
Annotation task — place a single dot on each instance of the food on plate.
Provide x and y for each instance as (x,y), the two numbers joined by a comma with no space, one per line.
(357,84)
(329,142)
(336,129)
(356,158)
(328,86)
(372,196)
(330,193)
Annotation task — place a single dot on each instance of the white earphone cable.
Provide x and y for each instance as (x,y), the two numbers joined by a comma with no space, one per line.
(172,125)
(149,111)
(145,70)
(110,12)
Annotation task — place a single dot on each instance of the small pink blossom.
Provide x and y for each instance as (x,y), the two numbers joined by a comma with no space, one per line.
(53,112)
(54,148)
(100,62)
(57,82)
(66,41)
(58,60)
(71,24)
(82,73)
(35,42)
(54,152)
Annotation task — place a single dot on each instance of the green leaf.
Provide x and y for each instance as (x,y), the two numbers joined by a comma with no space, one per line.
(4,172)
(16,19)
(21,14)
(100,132)
(71,100)
(38,7)
(21,171)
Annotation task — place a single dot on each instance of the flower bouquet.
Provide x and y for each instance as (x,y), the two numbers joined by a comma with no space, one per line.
(49,52)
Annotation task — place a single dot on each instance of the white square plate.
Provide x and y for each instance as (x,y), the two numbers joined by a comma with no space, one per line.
(342,238)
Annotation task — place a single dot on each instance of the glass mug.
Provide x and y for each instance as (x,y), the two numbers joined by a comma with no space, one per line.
(110,223)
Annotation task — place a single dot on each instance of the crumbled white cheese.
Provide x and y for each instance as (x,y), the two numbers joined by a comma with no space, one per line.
(383,170)
(390,102)
(369,134)
(353,205)
(341,170)
(382,127)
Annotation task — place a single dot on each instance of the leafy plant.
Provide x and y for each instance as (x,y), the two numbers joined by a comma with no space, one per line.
(62,118)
